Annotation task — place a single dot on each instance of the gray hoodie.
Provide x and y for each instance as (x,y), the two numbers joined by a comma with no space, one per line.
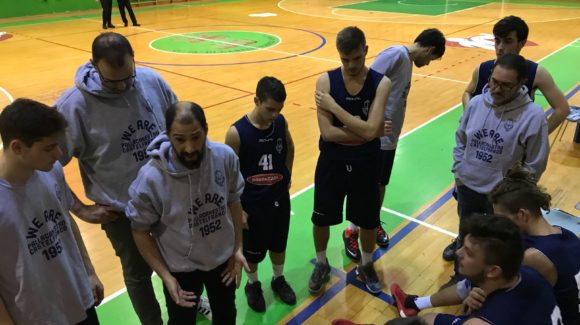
(490,139)
(187,210)
(109,133)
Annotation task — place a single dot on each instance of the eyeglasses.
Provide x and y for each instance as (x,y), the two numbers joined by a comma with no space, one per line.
(113,83)
(502,85)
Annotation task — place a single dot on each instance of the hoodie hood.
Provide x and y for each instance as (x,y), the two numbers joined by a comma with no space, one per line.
(522,98)
(87,79)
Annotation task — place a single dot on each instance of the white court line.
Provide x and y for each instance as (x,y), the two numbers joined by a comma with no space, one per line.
(10,99)
(422,223)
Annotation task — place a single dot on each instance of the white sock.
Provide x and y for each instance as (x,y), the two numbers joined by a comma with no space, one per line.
(366,258)
(321,257)
(278,270)
(252,277)
(423,302)
(353,227)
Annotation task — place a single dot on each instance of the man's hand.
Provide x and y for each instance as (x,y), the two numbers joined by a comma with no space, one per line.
(97,288)
(475,300)
(324,101)
(388,127)
(233,271)
(97,214)
(245,220)
(180,297)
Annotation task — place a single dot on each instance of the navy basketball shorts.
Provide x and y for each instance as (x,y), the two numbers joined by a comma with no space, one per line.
(447,319)
(268,225)
(355,180)
(386,161)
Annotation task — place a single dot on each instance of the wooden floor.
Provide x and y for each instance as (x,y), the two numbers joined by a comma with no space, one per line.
(40,60)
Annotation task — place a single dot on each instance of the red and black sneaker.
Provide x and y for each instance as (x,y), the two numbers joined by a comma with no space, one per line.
(405,303)
(382,237)
(351,248)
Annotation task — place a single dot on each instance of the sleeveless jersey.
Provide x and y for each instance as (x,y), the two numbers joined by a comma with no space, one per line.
(357,105)
(263,160)
(564,252)
(486,67)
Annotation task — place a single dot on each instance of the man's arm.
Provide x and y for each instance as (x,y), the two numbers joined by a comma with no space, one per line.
(545,83)
(150,252)
(233,139)
(470,88)
(96,213)
(96,284)
(233,271)
(373,126)
(329,132)
(537,147)
(539,262)
(290,152)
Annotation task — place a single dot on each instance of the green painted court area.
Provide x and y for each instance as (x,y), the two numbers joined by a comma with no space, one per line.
(421,172)
(436,7)
(215,42)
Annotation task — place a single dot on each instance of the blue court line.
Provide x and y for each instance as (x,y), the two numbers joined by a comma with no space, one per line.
(321,300)
(378,253)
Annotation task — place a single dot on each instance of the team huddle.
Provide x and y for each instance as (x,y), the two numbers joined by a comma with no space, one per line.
(197,212)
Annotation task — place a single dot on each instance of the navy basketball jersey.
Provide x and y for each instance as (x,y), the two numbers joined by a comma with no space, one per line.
(564,252)
(486,68)
(357,105)
(530,301)
(263,160)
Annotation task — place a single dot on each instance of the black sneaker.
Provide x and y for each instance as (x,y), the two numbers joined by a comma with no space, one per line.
(319,277)
(351,248)
(382,237)
(255,296)
(369,276)
(449,251)
(283,290)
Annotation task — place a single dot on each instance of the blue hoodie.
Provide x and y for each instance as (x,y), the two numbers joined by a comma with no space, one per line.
(490,139)
(109,133)
(187,210)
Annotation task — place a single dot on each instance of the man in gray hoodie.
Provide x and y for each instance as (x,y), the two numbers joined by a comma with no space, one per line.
(499,128)
(186,216)
(114,111)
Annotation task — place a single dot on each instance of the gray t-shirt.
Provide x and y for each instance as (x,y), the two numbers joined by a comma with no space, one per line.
(395,63)
(42,276)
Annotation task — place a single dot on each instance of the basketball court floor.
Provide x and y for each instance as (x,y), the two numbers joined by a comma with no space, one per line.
(214,52)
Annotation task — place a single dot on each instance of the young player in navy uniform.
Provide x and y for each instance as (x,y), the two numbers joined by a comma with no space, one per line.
(395,62)
(350,104)
(551,250)
(266,151)
(491,258)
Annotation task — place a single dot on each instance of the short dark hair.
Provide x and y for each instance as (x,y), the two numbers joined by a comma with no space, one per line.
(432,37)
(513,62)
(349,39)
(185,112)
(416,320)
(113,48)
(518,190)
(511,23)
(270,87)
(500,240)
(29,121)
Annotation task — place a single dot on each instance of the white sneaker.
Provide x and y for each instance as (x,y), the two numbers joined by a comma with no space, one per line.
(203,307)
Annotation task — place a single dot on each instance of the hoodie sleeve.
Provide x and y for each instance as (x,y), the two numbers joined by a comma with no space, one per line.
(461,138)
(141,208)
(235,179)
(74,142)
(386,62)
(537,147)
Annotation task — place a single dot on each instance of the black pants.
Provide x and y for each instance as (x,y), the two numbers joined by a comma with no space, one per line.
(126,4)
(221,297)
(91,319)
(107,8)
